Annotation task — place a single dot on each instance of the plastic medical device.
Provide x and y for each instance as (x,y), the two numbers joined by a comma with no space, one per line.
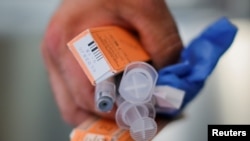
(138,119)
(138,100)
(138,82)
(105,94)
(136,109)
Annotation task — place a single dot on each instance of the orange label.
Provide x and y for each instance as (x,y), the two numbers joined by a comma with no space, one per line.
(81,135)
(105,127)
(78,135)
(100,130)
(105,51)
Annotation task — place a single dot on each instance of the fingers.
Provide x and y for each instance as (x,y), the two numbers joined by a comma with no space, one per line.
(70,112)
(72,90)
(79,85)
(157,30)
(75,99)
(161,38)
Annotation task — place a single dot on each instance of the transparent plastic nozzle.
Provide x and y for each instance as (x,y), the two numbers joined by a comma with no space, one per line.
(138,82)
(138,118)
(105,96)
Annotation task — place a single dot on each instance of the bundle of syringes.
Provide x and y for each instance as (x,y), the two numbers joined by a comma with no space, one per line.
(137,99)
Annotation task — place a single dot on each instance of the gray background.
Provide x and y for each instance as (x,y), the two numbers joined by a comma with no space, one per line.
(28,111)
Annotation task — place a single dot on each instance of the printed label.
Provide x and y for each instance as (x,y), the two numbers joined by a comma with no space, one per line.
(94,137)
(92,56)
(103,52)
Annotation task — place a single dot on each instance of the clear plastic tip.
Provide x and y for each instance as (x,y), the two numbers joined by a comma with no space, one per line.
(138,82)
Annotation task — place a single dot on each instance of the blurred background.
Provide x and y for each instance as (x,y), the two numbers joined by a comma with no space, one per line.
(28,111)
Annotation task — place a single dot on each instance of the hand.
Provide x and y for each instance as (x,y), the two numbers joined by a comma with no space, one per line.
(150,20)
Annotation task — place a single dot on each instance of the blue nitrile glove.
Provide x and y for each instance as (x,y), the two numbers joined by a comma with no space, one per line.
(198,61)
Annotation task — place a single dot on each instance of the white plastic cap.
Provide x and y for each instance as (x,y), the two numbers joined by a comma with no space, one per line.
(127,113)
(137,118)
(143,129)
(138,82)
(168,97)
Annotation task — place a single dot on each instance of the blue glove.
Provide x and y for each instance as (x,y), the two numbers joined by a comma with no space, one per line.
(198,61)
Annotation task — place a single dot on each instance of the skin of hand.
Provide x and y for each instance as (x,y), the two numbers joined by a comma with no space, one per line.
(150,20)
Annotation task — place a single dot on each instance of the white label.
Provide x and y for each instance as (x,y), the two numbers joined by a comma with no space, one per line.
(94,137)
(92,56)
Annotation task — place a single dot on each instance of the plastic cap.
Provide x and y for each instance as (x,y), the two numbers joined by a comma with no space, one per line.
(143,129)
(127,113)
(168,97)
(138,82)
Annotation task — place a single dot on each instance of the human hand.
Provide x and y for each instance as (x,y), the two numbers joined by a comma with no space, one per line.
(150,20)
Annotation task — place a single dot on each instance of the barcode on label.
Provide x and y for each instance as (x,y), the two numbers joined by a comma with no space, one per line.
(95,50)
(91,56)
